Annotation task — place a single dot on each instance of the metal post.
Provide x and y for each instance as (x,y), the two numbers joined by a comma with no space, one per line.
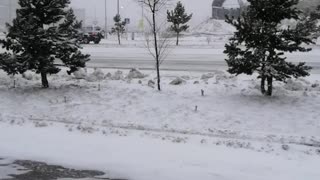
(105,20)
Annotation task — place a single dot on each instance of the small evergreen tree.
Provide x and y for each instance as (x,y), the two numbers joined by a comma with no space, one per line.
(259,43)
(42,33)
(119,27)
(178,17)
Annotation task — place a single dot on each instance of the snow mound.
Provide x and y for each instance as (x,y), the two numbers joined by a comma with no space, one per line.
(27,76)
(80,74)
(178,81)
(296,85)
(135,74)
(97,74)
(207,76)
(118,75)
(151,83)
(214,27)
(220,75)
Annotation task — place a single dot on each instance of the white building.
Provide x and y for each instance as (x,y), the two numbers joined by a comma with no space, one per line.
(223,8)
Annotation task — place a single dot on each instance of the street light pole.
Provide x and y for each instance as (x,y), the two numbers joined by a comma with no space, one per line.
(105,20)
(10,10)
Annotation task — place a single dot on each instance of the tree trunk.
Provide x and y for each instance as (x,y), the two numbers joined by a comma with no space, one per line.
(177,39)
(270,86)
(44,80)
(263,85)
(119,38)
(156,49)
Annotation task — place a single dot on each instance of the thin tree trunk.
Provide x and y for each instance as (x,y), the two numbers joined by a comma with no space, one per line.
(44,80)
(156,48)
(177,39)
(263,85)
(119,38)
(270,86)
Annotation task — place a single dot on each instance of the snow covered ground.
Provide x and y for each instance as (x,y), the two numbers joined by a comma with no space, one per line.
(106,120)
(112,122)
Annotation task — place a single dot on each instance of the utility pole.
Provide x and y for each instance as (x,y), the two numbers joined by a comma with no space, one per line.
(118,5)
(105,20)
(142,16)
(10,10)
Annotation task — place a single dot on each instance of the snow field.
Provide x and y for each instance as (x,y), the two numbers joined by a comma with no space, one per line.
(111,120)
(231,106)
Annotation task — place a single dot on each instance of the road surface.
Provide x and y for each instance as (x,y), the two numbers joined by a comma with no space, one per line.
(189,59)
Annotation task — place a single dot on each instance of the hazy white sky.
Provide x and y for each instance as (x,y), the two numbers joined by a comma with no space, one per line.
(201,9)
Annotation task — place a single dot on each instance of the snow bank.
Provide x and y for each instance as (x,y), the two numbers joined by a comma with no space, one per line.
(214,27)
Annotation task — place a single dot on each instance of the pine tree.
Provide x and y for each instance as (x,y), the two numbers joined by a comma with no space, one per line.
(259,44)
(314,21)
(119,27)
(178,17)
(43,32)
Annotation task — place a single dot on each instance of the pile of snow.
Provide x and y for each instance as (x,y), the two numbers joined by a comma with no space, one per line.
(97,75)
(296,85)
(80,74)
(214,27)
(135,74)
(178,81)
(217,75)
(29,76)
(118,75)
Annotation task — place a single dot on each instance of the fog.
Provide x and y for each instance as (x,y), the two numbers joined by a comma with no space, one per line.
(201,10)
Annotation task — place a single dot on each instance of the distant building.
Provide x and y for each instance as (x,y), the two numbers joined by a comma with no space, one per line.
(223,8)
(81,15)
(7,12)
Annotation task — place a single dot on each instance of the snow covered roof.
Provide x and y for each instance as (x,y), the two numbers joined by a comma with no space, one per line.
(231,4)
(228,3)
